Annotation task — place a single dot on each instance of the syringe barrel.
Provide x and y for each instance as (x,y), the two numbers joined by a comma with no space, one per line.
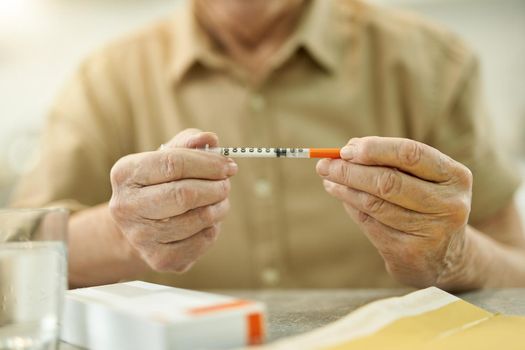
(257,152)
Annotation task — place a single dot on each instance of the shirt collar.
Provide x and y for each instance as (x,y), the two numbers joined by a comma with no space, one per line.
(189,42)
(314,33)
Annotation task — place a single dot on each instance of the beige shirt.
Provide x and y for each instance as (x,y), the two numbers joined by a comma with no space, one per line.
(350,69)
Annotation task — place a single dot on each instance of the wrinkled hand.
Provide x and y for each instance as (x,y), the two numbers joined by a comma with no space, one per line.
(169,203)
(411,201)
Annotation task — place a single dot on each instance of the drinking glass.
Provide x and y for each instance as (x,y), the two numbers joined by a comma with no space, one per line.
(33,277)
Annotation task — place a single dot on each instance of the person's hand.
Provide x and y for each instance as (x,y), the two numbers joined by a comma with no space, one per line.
(169,203)
(411,201)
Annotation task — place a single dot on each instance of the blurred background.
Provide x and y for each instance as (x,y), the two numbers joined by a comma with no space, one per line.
(42,41)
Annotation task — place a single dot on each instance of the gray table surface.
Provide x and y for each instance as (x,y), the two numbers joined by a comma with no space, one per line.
(292,312)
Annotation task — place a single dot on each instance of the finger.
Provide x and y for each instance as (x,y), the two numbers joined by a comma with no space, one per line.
(385,239)
(410,156)
(389,214)
(193,138)
(181,255)
(405,259)
(390,184)
(174,198)
(150,168)
(180,227)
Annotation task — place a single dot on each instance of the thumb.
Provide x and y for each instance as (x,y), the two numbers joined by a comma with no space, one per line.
(193,138)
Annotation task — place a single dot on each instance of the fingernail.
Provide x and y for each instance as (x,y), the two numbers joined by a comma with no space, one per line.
(327,184)
(348,151)
(232,167)
(323,167)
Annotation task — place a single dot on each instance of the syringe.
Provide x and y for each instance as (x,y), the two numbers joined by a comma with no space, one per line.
(273,152)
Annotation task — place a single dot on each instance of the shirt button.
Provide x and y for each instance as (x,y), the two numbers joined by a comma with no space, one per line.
(270,277)
(263,188)
(257,103)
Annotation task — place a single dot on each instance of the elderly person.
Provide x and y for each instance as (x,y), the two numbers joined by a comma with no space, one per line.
(427,197)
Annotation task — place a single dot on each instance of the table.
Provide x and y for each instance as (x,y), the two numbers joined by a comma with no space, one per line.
(293,312)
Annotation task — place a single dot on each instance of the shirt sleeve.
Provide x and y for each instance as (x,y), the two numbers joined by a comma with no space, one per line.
(464,132)
(83,136)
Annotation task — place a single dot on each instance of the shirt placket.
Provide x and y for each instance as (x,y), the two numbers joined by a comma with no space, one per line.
(264,206)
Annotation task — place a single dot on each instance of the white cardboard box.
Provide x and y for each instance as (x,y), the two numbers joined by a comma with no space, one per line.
(139,315)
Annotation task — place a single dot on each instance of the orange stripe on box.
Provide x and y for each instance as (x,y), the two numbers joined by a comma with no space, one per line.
(255,329)
(218,307)
(325,153)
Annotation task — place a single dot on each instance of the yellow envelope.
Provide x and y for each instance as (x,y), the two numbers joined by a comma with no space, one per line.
(426,319)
